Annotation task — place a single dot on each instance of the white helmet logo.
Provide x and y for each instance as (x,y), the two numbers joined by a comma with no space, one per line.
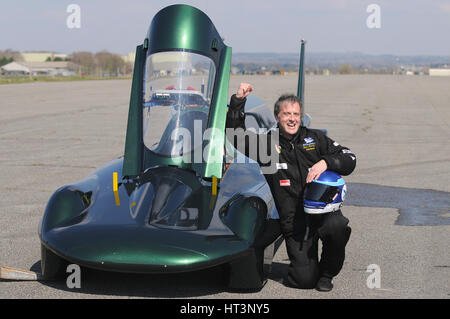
(344,192)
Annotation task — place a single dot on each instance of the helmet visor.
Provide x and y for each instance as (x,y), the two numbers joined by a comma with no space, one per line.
(321,192)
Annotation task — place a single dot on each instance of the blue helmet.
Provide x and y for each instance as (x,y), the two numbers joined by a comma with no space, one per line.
(326,194)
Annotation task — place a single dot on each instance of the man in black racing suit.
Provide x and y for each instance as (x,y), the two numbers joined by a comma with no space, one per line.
(303,155)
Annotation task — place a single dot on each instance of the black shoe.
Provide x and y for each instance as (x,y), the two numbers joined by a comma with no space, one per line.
(324,284)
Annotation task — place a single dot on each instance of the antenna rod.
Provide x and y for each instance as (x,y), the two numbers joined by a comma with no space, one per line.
(301,74)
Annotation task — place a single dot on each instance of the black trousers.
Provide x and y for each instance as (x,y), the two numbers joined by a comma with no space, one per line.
(302,247)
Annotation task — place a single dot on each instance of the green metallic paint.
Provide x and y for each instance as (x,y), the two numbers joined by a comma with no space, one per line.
(244,217)
(217,118)
(65,204)
(117,246)
(127,243)
(132,164)
(109,237)
(182,27)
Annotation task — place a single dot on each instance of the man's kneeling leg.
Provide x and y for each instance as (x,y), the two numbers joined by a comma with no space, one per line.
(334,234)
(304,268)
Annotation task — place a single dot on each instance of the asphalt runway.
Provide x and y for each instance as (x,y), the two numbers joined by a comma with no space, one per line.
(53,134)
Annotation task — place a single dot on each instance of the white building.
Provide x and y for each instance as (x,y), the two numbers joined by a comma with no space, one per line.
(42,56)
(439,72)
(14,68)
(129,58)
(37,68)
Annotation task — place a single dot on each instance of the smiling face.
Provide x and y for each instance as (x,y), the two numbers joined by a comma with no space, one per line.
(289,118)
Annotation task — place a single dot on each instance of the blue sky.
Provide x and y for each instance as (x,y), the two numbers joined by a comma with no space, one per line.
(408,27)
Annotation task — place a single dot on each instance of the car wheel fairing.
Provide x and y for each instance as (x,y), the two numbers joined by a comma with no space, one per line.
(66,204)
(245,217)
(52,266)
(246,273)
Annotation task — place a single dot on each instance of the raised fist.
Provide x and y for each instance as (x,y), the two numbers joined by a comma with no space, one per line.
(244,90)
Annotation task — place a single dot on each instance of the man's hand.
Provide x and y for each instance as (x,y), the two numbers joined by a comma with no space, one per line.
(244,90)
(315,171)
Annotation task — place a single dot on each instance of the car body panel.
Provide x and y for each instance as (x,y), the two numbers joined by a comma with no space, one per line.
(106,236)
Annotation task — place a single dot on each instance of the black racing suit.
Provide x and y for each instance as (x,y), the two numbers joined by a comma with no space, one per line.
(300,230)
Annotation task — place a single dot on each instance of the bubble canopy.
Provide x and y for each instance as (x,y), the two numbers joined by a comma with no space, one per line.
(180,85)
(177,99)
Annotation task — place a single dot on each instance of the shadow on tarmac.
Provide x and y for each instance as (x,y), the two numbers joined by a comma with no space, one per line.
(183,285)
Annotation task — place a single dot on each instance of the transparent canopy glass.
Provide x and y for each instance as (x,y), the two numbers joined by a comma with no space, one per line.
(178,87)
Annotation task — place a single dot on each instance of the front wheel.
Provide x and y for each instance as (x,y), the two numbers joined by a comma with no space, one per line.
(52,266)
(246,273)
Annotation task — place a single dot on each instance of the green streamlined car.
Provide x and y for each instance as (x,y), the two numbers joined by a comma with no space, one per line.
(170,204)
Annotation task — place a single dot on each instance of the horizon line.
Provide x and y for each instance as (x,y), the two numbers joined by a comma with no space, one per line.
(253,52)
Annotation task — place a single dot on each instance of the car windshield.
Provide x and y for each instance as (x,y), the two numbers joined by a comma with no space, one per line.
(177,95)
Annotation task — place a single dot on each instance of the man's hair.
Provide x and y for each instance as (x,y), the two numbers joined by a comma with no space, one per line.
(286,98)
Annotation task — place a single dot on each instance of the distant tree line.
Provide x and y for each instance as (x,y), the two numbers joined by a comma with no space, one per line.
(57,59)
(345,68)
(8,56)
(100,63)
(84,63)
(276,68)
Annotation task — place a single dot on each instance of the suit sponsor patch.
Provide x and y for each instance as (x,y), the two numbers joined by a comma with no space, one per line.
(309,144)
(285,182)
(281,165)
